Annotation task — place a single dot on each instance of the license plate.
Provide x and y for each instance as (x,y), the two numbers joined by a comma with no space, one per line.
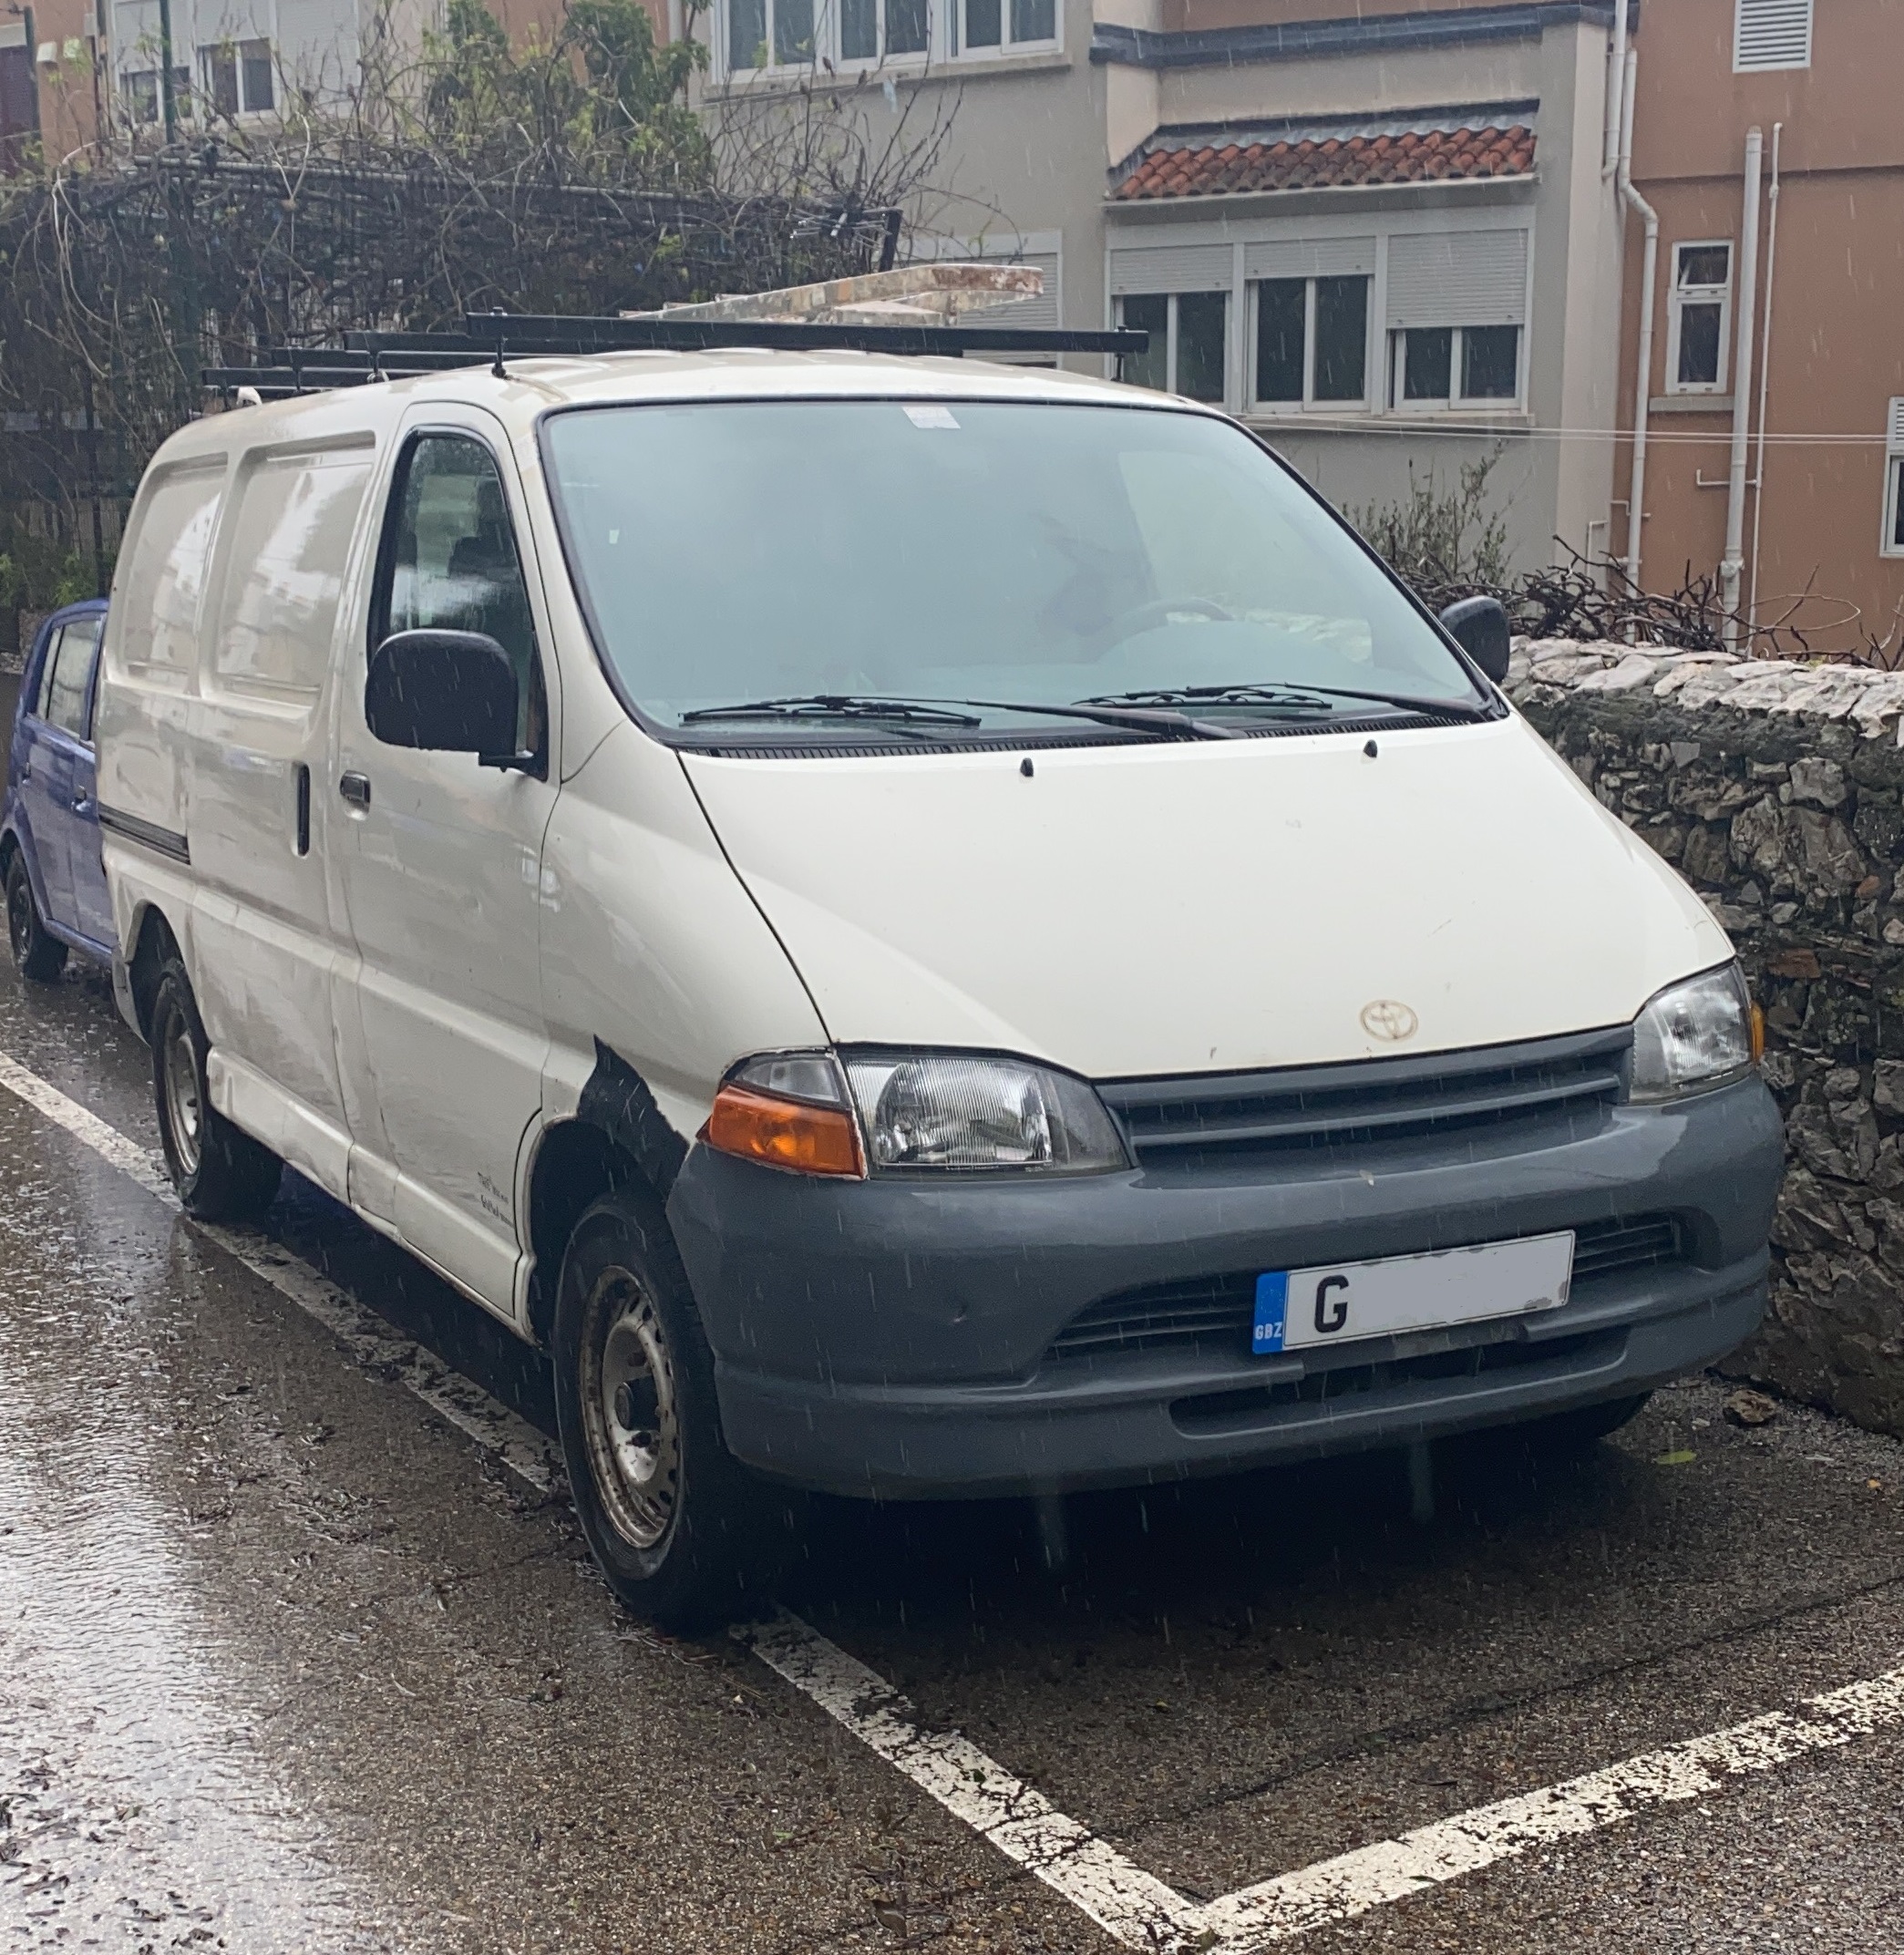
(1336,1302)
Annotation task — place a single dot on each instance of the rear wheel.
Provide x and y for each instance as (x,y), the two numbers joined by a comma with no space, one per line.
(220,1173)
(37,954)
(685,1534)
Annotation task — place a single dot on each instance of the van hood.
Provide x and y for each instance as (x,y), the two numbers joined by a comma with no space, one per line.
(1197,906)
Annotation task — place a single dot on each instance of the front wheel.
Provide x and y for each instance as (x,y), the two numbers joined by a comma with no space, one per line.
(685,1534)
(222,1175)
(37,954)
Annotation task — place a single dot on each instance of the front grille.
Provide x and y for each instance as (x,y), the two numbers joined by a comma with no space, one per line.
(1220,1411)
(1205,1116)
(1216,1311)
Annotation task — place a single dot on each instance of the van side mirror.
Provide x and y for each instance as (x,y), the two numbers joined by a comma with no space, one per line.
(1479,626)
(451,692)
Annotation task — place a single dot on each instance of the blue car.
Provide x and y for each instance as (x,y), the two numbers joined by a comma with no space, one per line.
(49,825)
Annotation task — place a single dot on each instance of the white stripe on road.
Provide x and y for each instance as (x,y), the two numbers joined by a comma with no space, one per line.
(1134,1907)
(1337,1890)
(1131,1906)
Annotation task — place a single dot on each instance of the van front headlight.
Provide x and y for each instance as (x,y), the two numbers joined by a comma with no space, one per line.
(953,1110)
(1699,1032)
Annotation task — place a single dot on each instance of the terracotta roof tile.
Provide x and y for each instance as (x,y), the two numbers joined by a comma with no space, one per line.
(1230,167)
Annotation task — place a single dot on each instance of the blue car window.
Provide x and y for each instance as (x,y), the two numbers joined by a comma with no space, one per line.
(35,703)
(69,678)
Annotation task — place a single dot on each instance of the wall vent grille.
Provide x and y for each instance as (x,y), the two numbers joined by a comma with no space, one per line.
(1771,33)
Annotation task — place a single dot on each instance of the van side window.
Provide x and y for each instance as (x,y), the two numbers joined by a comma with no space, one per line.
(64,698)
(291,520)
(166,576)
(451,562)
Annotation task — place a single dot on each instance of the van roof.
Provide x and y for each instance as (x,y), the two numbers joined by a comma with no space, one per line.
(532,387)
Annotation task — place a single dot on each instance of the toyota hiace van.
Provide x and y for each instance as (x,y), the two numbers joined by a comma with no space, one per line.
(924,929)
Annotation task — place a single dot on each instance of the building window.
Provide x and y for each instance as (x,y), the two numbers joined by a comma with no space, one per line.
(830,34)
(237,78)
(141,89)
(1771,33)
(1891,543)
(1455,366)
(1188,338)
(1312,342)
(1700,310)
(1002,26)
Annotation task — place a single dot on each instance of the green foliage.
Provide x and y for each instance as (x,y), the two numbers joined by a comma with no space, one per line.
(1438,537)
(597,98)
(41,574)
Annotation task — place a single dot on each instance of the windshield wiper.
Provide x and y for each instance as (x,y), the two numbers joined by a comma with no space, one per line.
(1142,718)
(1243,695)
(834,705)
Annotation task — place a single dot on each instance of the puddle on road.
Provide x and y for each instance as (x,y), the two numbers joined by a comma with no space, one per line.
(134,1811)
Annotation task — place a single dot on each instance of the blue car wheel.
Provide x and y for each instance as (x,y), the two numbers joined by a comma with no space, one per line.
(36,954)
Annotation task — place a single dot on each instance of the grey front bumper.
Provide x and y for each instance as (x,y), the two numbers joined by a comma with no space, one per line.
(892,1337)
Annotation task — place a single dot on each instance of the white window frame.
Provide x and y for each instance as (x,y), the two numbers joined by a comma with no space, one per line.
(1784,16)
(1004,47)
(1457,402)
(1170,300)
(1309,403)
(1679,297)
(945,42)
(1888,543)
(247,108)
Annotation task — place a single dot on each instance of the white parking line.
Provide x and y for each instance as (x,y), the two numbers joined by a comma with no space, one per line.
(1131,1906)
(1337,1890)
(1134,1908)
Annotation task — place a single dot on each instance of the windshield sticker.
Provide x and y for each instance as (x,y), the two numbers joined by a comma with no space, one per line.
(930,417)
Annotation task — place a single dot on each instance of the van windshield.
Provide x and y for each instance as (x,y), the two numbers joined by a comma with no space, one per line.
(779,555)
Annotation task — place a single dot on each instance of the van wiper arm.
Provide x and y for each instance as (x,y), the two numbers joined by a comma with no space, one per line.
(1291,695)
(833,705)
(1140,718)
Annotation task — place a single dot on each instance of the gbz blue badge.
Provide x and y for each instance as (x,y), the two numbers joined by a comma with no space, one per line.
(1272,1310)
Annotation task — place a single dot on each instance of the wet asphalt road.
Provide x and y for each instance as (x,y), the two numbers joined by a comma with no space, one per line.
(288,1663)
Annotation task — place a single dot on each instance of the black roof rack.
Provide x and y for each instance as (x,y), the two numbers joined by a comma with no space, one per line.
(493,338)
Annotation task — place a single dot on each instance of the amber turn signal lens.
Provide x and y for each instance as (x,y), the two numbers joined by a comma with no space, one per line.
(1758,1032)
(789,1134)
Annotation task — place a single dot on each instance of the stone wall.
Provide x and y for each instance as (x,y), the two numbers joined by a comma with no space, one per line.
(1777,790)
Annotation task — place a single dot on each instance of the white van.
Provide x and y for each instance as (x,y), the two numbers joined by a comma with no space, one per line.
(928,929)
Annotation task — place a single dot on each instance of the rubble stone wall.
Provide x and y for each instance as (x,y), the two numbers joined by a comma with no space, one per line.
(1777,790)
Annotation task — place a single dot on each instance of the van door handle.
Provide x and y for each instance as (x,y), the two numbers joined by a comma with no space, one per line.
(81,802)
(354,788)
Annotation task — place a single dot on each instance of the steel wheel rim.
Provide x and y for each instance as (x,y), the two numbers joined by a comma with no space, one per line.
(184,1111)
(630,1410)
(19,916)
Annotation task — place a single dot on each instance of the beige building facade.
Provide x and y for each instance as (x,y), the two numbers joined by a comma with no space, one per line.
(1776,315)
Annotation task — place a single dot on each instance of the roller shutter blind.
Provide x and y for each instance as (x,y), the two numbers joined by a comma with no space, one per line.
(1771,33)
(1458,278)
(1894,427)
(1310,258)
(1171,268)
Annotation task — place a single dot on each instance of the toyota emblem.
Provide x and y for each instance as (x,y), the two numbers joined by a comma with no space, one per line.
(1390,1020)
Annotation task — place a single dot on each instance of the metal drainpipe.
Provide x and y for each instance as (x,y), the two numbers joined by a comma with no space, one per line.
(1649,272)
(1733,563)
(1616,89)
(1765,372)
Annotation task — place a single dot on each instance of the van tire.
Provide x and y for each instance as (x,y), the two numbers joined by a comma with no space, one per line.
(220,1173)
(686,1536)
(37,954)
